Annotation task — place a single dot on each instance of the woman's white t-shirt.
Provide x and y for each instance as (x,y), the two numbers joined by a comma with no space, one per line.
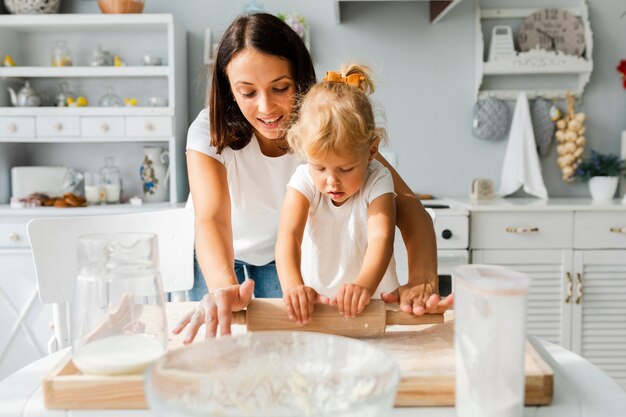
(335,238)
(256,184)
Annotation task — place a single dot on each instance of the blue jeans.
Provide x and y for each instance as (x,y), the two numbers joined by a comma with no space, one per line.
(266,284)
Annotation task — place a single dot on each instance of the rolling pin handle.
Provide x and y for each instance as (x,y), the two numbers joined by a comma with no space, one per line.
(239,317)
(400,317)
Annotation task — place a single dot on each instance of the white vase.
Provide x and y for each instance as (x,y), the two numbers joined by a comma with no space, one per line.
(155,174)
(602,188)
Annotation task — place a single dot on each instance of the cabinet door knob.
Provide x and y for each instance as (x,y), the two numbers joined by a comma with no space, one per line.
(570,288)
(618,229)
(104,127)
(149,127)
(522,230)
(57,126)
(579,289)
(14,237)
(11,128)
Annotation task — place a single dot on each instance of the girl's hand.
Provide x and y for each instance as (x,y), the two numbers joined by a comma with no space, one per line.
(351,299)
(300,301)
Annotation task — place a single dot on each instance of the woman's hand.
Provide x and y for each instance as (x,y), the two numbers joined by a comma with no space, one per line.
(215,309)
(300,302)
(351,299)
(419,299)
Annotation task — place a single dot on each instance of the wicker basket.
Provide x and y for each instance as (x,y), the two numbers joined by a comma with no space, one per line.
(121,6)
(32,6)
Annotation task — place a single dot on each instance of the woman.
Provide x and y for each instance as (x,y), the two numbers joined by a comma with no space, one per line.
(239,165)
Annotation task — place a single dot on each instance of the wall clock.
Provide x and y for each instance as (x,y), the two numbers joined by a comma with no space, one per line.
(552,30)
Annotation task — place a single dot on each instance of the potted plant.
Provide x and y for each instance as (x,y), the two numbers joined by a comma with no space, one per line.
(602,171)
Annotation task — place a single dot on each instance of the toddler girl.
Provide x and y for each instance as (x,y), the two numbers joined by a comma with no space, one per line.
(337,224)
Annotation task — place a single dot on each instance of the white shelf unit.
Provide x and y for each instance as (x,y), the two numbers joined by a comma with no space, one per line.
(438,8)
(122,131)
(534,63)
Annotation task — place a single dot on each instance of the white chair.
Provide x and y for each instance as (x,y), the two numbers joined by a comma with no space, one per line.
(53,242)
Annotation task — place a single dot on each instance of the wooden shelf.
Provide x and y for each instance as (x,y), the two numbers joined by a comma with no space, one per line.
(86,111)
(438,8)
(535,62)
(77,72)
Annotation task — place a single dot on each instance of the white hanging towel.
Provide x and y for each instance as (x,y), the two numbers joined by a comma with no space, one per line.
(521,164)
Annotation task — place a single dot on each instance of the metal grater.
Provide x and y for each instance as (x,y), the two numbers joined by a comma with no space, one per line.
(501,43)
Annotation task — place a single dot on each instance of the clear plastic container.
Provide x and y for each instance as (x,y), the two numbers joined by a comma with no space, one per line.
(111,181)
(118,323)
(61,55)
(489,340)
(274,374)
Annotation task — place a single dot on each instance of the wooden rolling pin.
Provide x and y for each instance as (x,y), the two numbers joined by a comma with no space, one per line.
(271,314)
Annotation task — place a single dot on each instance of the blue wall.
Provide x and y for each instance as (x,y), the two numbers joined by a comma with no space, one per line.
(425,78)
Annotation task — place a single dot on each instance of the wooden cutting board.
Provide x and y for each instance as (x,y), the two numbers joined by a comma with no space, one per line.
(425,354)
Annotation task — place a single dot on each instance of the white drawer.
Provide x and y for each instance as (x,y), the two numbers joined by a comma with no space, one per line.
(599,230)
(13,235)
(149,126)
(17,127)
(521,230)
(102,127)
(57,126)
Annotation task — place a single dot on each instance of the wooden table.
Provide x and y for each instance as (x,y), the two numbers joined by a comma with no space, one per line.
(580,388)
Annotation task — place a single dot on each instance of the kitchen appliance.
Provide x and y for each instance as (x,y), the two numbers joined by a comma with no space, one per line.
(452,233)
(38,179)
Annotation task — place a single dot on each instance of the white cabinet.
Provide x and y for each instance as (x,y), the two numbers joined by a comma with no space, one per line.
(120,131)
(24,320)
(536,72)
(575,255)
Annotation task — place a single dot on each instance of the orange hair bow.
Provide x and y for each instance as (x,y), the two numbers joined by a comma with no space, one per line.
(353,80)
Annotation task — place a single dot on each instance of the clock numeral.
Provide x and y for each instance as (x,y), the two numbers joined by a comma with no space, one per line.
(551,14)
(529,26)
(537,17)
(580,38)
(522,37)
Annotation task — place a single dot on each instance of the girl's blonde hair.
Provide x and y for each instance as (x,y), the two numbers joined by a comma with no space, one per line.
(336,116)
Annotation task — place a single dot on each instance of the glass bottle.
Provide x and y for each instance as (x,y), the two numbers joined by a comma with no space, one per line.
(61,55)
(60,100)
(111,181)
(110,99)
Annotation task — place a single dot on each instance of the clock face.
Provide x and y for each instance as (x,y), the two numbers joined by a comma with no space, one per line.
(552,29)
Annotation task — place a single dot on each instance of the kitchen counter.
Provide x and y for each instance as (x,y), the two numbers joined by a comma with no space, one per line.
(580,389)
(537,204)
(6,210)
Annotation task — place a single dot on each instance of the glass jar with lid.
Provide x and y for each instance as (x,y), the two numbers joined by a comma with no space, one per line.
(60,100)
(110,99)
(61,55)
(111,181)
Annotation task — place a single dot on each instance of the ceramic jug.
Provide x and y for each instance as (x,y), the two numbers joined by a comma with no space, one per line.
(155,174)
(26,97)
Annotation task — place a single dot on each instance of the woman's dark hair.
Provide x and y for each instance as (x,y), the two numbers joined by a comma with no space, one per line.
(265,33)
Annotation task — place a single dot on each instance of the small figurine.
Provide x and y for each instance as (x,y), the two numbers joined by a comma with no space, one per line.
(130,102)
(8,61)
(117,61)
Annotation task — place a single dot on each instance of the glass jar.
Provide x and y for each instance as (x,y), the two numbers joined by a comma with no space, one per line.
(111,181)
(101,58)
(61,55)
(110,99)
(60,100)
